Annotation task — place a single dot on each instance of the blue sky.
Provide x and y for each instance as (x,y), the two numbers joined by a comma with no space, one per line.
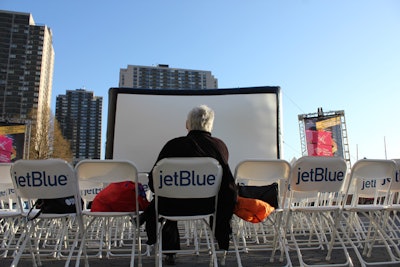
(338,55)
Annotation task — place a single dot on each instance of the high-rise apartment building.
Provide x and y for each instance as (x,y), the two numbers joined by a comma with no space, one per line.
(164,77)
(79,114)
(26,67)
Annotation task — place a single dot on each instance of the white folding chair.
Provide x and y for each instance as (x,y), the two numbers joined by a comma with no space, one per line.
(363,219)
(392,210)
(316,196)
(114,234)
(391,220)
(49,234)
(182,179)
(10,215)
(264,172)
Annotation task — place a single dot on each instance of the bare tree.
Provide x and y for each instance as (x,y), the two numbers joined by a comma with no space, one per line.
(40,132)
(46,138)
(61,146)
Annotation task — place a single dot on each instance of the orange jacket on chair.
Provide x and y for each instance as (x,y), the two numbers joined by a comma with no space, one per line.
(252,210)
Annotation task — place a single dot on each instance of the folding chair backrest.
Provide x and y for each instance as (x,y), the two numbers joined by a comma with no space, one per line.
(89,190)
(44,179)
(396,183)
(193,177)
(94,175)
(7,193)
(372,178)
(262,172)
(106,171)
(5,177)
(48,178)
(318,174)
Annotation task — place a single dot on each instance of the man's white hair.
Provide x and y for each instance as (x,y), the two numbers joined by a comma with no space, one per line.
(200,118)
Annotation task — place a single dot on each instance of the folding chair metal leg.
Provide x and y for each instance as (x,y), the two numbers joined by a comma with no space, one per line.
(238,259)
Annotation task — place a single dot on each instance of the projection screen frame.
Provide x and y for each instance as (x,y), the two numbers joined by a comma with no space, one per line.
(116,92)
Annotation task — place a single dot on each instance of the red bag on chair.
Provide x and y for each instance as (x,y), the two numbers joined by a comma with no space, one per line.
(119,197)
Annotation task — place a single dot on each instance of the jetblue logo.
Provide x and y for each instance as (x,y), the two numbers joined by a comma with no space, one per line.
(37,178)
(186,178)
(372,183)
(319,175)
(7,192)
(92,191)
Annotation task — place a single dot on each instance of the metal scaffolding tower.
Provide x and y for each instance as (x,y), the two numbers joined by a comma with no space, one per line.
(321,116)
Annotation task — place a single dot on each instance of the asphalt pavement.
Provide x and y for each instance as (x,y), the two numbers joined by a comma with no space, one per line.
(248,259)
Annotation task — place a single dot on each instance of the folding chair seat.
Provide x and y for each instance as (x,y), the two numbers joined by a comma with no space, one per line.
(265,235)
(49,234)
(10,215)
(108,234)
(187,179)
(315,198)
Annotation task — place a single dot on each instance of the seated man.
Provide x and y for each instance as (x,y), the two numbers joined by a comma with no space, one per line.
(197,143)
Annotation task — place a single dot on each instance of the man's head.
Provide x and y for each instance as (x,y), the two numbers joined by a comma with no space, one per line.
(200,118)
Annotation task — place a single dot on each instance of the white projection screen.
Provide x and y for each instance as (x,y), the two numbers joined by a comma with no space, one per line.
(141,121)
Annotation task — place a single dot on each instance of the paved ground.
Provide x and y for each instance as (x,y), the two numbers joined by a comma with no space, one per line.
(250,259)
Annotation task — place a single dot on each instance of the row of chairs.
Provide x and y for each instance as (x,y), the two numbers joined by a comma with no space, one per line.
(323,206)
(85,234)
(64,236)
(326,208)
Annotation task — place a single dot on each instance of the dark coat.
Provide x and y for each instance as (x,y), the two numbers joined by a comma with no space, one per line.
(202,144)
